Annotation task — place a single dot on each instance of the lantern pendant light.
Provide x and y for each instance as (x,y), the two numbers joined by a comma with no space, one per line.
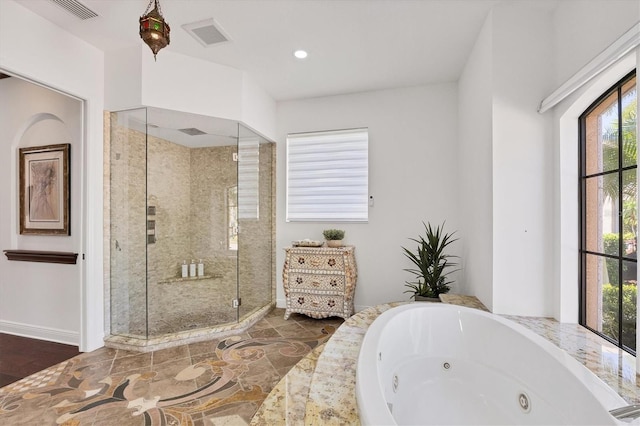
(154,30)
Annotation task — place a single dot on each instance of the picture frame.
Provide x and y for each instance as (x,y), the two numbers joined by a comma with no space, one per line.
(44,190)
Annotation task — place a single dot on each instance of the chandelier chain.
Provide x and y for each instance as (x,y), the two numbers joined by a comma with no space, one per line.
(151,3)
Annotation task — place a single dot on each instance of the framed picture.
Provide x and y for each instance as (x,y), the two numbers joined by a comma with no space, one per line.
(44,190)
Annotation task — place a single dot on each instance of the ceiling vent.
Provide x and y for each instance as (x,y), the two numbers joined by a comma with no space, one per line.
(207,32)
(76,8)
(192,131)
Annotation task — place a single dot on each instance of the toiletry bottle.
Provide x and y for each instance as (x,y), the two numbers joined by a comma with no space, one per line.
(200,268)
(192,268)
(185,272)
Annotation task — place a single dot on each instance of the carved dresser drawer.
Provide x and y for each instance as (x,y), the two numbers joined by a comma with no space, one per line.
(319,282)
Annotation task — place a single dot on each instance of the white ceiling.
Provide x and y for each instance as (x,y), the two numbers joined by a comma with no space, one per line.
(353,45)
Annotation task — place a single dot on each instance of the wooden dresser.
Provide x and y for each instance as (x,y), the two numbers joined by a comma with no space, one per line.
(319,282)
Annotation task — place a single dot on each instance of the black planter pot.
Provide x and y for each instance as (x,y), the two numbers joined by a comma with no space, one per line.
(427,299)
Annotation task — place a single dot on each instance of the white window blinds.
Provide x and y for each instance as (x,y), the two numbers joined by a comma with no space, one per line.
(328,176)
(248,178)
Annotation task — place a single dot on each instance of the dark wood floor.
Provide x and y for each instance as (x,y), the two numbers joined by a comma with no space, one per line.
(21,357)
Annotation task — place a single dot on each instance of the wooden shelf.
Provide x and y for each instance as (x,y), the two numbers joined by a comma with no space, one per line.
(42,256)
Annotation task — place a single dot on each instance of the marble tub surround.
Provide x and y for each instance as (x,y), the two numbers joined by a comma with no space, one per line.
(463,300)
(216,382)
(612,365)
(331,379)
(286,404)
(331,395)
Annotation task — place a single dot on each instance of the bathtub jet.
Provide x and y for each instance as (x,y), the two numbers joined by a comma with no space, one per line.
(438,364)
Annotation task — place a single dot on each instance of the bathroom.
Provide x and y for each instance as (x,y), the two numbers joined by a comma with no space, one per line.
(454,122)
(510,199)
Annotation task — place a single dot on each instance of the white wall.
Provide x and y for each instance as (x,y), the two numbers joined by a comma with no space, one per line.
(505,161)
(528,51)
(475,163)
(30,302)
(522,160)
(35,48)
(413,176)
(187,84)
(582,30)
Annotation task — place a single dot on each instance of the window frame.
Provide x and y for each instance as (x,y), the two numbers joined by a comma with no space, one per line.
(583,177)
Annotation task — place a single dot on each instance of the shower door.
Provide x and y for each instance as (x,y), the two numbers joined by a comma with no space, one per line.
(256,219)
(127,223)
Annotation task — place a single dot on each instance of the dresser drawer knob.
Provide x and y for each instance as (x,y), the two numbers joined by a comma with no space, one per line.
(315,283)
(314,262)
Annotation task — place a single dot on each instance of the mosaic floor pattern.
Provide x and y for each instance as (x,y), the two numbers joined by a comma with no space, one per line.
(217,382)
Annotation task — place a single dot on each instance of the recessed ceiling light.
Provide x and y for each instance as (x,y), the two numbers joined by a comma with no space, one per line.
(300,54)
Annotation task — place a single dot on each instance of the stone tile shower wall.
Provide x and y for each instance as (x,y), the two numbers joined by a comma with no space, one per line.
(188,188)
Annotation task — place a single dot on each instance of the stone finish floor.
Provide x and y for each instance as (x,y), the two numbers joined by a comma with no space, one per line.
(217,382)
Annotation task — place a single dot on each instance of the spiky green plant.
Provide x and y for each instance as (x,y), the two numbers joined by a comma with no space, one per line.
(432,264)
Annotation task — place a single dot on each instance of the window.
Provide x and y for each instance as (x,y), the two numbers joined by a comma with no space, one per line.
(608,220)
(232,218)
(248,178)
(327,176)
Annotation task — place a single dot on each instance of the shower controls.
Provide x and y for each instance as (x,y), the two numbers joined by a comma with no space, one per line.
(151,225)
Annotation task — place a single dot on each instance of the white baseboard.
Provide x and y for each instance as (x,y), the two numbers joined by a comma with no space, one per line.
(42,333)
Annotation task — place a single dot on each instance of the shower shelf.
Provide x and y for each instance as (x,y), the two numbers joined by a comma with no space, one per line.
(188,279)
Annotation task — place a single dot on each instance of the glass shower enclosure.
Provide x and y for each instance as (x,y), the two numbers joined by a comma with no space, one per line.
(190,222)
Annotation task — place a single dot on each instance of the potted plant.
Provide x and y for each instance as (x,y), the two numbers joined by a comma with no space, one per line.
(432,264)
(334,237)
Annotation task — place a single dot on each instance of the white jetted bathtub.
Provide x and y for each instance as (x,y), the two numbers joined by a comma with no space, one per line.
(437,364)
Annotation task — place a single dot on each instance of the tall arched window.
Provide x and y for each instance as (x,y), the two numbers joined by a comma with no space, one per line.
(608,219)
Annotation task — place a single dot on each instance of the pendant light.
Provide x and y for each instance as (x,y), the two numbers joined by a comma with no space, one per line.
(154,30)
